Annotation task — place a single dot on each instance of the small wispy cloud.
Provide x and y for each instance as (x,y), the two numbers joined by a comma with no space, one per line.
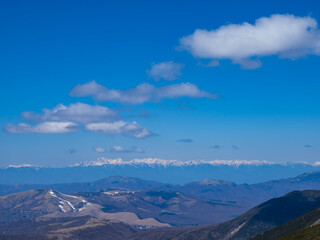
(307,146)
(99,149)
(44,127)
(119,149)
(235,147)
(165,70)
(216,146)
(185,140)
(71,151)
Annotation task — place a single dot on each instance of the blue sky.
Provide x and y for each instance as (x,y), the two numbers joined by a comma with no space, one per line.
(261,102)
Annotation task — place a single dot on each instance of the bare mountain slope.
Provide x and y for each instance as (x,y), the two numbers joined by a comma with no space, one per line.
(82,228)
(257,220)
(174,208)
(50,204)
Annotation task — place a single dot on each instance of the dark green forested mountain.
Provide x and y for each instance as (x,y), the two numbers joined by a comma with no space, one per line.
(303,225)
(308,233)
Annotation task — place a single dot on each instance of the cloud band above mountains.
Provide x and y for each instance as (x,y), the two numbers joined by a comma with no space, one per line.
(119,127)
(78,112)
(100,119)
(71,118)
(144,92)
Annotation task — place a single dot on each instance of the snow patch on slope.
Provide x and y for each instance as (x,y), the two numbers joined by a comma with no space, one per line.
(234,231)
(316,222)
(66,205)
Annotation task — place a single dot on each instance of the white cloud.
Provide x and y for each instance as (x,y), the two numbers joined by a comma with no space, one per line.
(77,112)
(142,93)
(132,129)
(119,149)
(99,149)
(44,127)
(183,90)
(165,70)
(65,119)
(116,149)
(286,36)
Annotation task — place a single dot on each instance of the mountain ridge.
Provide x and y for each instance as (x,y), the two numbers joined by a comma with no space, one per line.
(245,195)
(171,172)
(273,214)
(261,218)
(166,163)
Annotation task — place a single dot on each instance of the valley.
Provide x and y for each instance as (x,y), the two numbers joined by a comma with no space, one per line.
(210,209)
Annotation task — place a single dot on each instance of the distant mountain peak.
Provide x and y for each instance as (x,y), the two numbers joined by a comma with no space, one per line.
(211,182)
(22,166)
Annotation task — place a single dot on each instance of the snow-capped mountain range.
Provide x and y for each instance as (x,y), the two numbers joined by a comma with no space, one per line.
(151,162)
(176,163)
(156,169)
